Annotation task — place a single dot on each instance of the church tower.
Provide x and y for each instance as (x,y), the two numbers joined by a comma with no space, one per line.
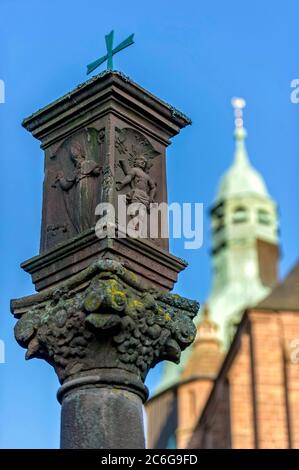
(245,251)
(245,246)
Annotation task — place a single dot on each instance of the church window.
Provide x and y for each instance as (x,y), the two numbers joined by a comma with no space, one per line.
(263,217)
(240,215)
(218,218)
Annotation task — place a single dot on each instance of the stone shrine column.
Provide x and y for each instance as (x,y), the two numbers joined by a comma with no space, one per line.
(103,314)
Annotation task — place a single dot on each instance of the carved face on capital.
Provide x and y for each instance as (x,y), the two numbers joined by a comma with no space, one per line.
(140,162)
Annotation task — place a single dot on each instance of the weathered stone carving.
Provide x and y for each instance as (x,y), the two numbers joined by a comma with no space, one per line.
(78,187)
(78,179)
(107,184)
(100,136)
(143,188)
(137,153)
(104,317)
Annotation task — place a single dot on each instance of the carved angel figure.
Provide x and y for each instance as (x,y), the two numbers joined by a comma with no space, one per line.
(143,188)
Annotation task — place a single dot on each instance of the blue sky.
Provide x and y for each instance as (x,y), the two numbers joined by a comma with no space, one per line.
(194,54)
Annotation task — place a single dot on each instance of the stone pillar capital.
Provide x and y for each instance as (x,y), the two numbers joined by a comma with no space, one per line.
(104,325)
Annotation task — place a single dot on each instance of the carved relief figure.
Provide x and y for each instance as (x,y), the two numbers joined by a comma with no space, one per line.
(135,158)
(143,188)
(80,188)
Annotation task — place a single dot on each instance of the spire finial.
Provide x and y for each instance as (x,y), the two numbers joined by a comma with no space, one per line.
(238,105)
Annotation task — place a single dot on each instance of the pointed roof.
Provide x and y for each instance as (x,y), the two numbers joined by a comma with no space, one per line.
(207,329)
(206,355)
(285,296)
(241,178)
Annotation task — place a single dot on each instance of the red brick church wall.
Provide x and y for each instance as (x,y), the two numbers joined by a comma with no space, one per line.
(263,406)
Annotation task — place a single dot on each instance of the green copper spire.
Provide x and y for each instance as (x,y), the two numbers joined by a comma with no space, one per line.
(244,220)
(110,52)
(241,178)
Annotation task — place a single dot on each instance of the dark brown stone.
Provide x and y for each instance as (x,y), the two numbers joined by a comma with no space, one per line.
(103,314)
(156,266)
(92,138)
(102,418)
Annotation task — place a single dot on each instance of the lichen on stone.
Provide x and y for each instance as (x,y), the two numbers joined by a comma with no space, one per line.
(113,321)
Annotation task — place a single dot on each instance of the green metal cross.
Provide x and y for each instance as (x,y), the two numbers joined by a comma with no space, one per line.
(110,52)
